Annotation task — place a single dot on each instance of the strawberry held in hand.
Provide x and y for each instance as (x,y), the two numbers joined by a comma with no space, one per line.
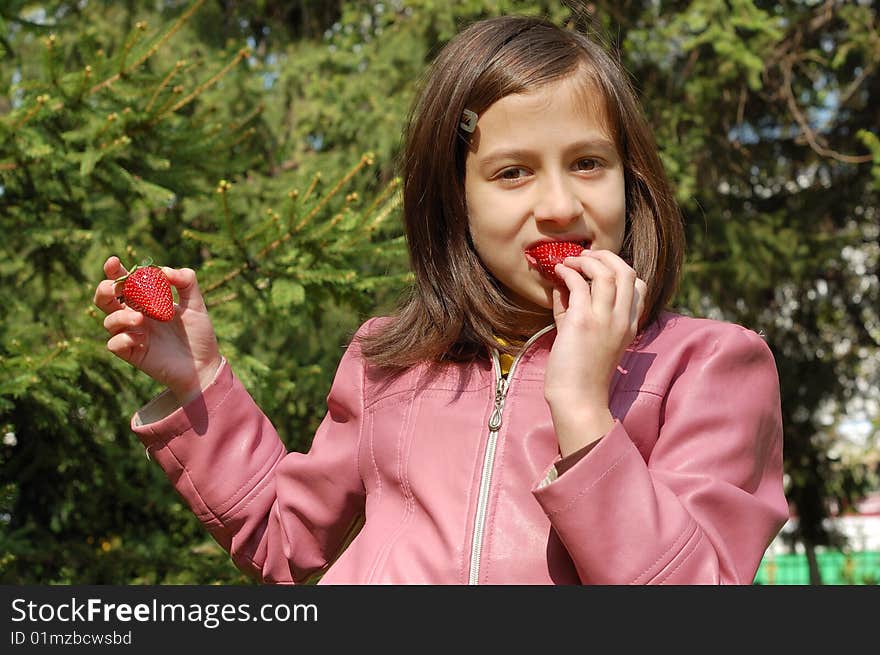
(147,289)
(544,256)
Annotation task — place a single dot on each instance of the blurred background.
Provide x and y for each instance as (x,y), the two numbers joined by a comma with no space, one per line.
(257,142)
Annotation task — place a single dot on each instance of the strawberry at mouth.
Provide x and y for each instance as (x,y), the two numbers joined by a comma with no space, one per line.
(545,255)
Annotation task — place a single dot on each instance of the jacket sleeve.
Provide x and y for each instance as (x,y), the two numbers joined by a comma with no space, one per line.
(282,516)
(709,499)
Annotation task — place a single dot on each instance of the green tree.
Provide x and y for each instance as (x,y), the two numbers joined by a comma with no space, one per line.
(767,116)
(141,145)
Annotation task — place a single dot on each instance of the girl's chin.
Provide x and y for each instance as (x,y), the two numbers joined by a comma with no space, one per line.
(545,304)
(541,303)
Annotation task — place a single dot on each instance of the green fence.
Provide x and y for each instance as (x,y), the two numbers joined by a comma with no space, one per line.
(837,568)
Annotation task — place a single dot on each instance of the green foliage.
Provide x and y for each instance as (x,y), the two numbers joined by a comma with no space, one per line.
(764,116)
(872,141)
(261,150)
(125,147)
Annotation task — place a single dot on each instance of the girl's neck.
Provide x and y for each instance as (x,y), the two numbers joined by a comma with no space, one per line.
(535,324)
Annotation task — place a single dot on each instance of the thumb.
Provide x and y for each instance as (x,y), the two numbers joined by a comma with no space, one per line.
(113,268)
(560,302)
(639,302)
(184,280)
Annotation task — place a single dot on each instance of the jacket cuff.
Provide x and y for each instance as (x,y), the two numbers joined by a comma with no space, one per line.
(192,416)
(562,464)
(583,469)
(567,462)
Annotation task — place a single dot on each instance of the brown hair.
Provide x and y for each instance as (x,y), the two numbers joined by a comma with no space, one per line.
(456,308)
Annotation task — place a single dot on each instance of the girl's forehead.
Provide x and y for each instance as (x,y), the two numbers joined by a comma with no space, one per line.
(556,105)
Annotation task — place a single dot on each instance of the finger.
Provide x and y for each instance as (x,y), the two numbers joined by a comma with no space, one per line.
(124,320)
(577,289)
(113,268)
(184,280)
(603,281)
(641,295)
(105,293)
(127,345)
(560,301)
(105,297)
(623,271)
(625,279)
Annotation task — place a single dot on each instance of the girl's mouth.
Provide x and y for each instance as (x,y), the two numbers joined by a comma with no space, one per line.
(544,254)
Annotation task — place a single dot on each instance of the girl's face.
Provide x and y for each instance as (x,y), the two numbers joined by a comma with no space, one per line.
(543,166)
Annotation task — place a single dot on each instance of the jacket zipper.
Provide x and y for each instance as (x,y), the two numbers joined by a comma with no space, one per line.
(502,387)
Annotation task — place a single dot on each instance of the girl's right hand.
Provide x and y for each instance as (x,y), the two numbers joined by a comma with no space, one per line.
(181,354)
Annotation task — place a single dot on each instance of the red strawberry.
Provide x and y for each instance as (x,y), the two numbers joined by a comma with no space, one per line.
(147,289)
(546,255)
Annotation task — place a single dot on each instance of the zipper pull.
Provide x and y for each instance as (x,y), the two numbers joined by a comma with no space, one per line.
(495,419)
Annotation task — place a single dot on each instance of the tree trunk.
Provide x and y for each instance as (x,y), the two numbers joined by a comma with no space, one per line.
(813,563)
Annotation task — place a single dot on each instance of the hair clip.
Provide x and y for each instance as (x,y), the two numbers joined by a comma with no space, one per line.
(468,121)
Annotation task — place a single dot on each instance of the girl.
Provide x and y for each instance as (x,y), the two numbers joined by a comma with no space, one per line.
(517,420)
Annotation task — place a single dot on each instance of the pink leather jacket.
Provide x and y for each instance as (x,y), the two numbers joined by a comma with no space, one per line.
(457,471)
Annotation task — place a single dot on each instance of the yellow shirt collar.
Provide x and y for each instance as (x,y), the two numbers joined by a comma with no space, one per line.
(504,359)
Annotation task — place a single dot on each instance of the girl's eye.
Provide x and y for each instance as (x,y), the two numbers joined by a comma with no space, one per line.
(512,174)
(587,164)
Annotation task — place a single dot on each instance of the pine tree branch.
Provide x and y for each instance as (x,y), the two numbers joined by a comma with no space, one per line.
(40,101)
(174,28)
(231,275)
(164,83)
(244,52)
(310,189)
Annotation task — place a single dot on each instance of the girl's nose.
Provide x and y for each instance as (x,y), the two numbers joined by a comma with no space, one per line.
(557,201)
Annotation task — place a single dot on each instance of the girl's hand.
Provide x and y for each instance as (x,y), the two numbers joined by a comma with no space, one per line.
(182,353)
(597,317)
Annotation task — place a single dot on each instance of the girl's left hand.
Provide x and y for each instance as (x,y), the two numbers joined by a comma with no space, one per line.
(597,317)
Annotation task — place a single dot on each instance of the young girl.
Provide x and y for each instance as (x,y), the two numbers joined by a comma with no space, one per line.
(515,421)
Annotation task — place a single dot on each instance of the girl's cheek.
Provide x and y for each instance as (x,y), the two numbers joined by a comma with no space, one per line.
(609,209)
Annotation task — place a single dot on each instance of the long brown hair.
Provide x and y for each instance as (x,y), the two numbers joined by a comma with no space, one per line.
(456,308)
